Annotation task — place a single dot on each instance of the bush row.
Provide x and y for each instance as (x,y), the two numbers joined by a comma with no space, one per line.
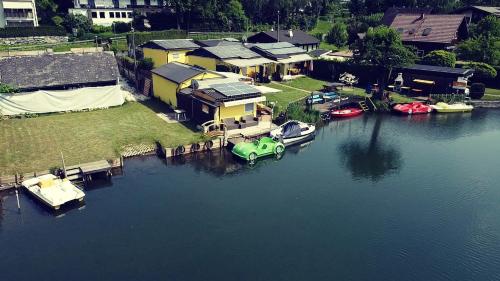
(32,31)
(143,37)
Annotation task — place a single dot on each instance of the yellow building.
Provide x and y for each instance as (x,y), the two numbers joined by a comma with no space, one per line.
(167,51)
(234,58)
(171,78)
(233,105)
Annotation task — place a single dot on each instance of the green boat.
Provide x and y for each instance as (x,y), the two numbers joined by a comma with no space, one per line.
(265,146)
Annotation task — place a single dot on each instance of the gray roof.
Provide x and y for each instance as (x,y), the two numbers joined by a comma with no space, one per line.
(172,44)
(278,50)
(218,42)
(298,37)
(228,52)
(318,52)
(178,72)
(58,70)
(440,69)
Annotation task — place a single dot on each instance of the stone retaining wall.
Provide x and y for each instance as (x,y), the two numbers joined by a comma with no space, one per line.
(13,41)
(485,104)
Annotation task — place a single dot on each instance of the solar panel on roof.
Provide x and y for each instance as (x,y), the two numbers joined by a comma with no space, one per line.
(234,89)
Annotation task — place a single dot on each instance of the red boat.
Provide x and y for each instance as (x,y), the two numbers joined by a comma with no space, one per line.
(347,112)
(412,108)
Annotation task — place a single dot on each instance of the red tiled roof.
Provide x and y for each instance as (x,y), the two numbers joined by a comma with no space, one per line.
(443,28)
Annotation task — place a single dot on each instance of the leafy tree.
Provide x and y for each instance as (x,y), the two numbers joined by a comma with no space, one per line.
(146,64)
(480,49)
(482,70)
(440,58)
(338,35)
(45,9)
(121,27)
(488,27)
(382,47)
(80,22)
(57,20)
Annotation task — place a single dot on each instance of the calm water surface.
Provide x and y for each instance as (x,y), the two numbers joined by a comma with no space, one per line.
(372,198)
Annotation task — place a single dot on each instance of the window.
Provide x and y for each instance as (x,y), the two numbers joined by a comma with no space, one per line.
(205,108)
(426,31)
(124,14)
(102,15)
(129,14)
(248,107)
(401,30)
(118,15)
(94,15)
(111,14)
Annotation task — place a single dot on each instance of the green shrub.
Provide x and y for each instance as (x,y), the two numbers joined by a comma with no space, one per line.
(32,31)
(101,29)
(440,58)
(6,89)
(143,37)
(482,70)
(146,64)
(57,20)
(296,111)
(338,35)
(79,22)
(477,91)
(121,27)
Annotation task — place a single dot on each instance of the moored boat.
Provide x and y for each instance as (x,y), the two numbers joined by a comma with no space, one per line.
(265,146)
(293,132)
(412,108)
(53,191)
(347,112)
(443,107)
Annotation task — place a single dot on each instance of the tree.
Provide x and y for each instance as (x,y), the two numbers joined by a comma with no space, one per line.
(338,35)
(488,27)
(45,9)
(440,58)
(482,49)
(79,22)
(482,70)
(382,48)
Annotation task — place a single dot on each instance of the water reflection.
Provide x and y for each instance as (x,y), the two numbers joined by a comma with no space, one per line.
(370,159)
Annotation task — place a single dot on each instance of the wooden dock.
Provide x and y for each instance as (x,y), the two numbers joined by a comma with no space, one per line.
(84,172)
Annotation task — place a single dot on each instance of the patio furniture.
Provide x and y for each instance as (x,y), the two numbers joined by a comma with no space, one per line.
(330,96)
(314,98)
(248,121)
(180,114)
(231,123)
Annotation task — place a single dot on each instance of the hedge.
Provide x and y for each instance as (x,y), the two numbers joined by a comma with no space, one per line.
(143,37)
(10,32)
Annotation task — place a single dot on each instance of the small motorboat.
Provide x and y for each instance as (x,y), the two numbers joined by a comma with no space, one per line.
(347,112)
(53,191)
(443,107)
(412,108)
(293,132)
(265,146)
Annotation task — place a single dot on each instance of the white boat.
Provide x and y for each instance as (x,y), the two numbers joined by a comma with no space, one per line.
(293,132)
(53,191)
(451,108)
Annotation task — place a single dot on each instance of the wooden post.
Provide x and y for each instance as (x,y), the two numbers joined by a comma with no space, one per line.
(64,166)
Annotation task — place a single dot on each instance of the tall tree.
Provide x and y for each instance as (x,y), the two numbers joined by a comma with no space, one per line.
(382,47)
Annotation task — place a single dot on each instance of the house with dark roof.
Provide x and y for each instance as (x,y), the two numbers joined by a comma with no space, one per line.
(476,13)
(60,82)
(217,42)
(59,71)
(288,59)
(169,79)
(298,38)
(231,58)
(392,12)
(227,105)
(167,51)
(428,32)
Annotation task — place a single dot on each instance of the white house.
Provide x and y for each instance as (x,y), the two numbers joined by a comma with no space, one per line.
(18,13)
(105,12)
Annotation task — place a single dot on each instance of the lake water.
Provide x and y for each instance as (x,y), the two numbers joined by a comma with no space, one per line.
(372,198)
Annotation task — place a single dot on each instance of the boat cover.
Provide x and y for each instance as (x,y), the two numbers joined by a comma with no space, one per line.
(291,130)
(64,100)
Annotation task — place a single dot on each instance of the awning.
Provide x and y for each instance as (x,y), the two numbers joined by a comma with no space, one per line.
(426,82)
(247,62)
(296,58)
(244,101)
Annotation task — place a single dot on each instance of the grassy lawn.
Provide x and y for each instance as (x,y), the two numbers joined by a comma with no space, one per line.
(286,95)
(306,83)
(322,26)
(35,144)
(491,94)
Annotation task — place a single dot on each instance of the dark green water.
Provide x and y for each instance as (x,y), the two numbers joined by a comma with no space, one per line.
(373,198)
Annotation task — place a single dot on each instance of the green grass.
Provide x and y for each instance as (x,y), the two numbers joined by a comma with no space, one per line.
(286,95)
(322,27)
(306,83)
(35,144)
(491,94)
(327,46)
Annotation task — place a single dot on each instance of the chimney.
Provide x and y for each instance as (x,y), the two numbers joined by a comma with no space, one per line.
(290,33)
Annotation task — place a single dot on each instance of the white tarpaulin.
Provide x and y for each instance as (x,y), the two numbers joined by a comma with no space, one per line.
(65,100)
